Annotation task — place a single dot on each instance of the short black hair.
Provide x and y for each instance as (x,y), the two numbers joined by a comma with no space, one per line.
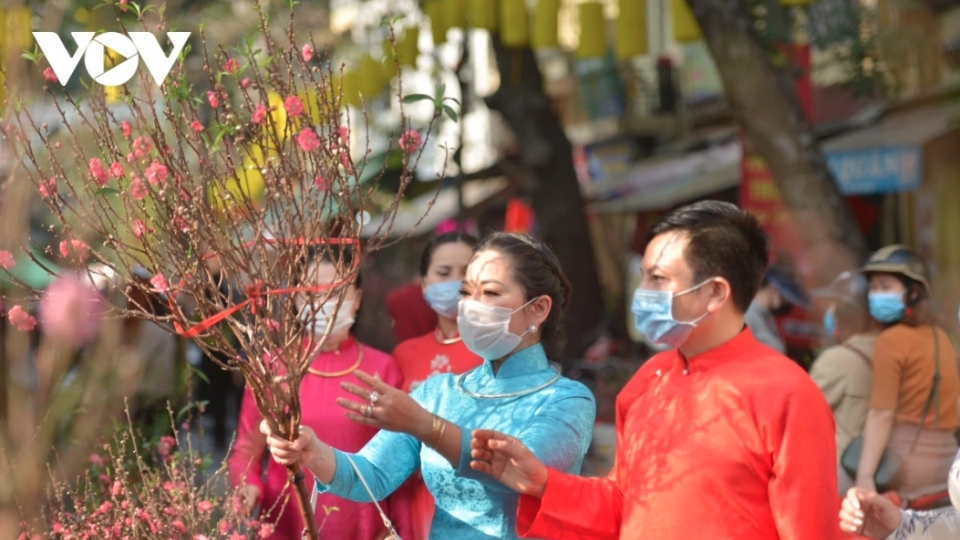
(724,241)
(333,255)
(446,238)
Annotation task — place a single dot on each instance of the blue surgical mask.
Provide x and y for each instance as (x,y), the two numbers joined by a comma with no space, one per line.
(654,316)
(830,323)
(887,307)
(444,298)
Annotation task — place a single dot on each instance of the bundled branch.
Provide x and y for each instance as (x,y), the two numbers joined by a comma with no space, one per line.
(224,214)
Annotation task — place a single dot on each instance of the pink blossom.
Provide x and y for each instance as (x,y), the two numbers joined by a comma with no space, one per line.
(233,66)
(344,133)
(106,507)
(96,459)
(266,530)
(159,283)
(236,504)
(293,106)
(116,489)
(123,5)
(157,173)
(6,260)
(49,75)
(178,525)
(212,98)
(168,486)
(116,169)
(138,228)
(97,171)
(321,182)
(272,325)
(245,83)
(76,247)
(200,537)
(142,146)
(308,140)
(20,319)
(259,114)
(137,189)
(204,506)
(166,445)
(196,126)
(306,52)
(48,188)
(225,527)
(237,536)
(126,129)
(410,141)
(70,310)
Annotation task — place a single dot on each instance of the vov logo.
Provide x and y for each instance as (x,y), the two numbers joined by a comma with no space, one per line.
(134,47)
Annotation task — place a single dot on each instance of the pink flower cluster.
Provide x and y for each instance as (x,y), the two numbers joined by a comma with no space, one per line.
(70,311)
(20,319)
(259,114)
(48,189)
(156,173)
(410,141)
(6,260)
(142,146)
(293,106)
(97,171)
(307,140)
(77,248)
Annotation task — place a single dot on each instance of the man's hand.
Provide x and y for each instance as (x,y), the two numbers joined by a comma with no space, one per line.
(868,514)
(509,461)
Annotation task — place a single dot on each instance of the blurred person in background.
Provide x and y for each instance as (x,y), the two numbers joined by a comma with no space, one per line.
(777,296)
(915,400)
(336,362)
(844,371)
(443,266)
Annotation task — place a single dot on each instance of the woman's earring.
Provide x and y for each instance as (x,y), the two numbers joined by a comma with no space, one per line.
(532,329)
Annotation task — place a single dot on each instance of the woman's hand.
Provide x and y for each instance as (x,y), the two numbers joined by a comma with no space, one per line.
(249,496)
(304,449)
(385,407)
(866,513)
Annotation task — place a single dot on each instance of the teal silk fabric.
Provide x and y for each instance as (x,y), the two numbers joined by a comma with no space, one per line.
(556,423)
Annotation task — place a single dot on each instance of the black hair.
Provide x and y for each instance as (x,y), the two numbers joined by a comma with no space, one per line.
(332,255)
(446,238)
(724,241)
(538,271)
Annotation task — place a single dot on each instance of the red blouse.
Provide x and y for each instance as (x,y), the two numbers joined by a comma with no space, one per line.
(428,355)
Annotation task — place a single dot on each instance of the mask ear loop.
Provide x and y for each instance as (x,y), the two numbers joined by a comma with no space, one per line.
(691,289)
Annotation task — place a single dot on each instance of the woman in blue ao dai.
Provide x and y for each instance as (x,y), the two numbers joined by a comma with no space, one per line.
(511,315)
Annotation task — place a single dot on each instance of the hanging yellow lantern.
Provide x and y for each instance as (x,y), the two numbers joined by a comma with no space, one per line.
(350,86)
(456,13)
(593,31)
(482,14)
(276,121)
(545,24)
(15,28)
(437,13)
(631,39)
(685,25)
(245,187)
(514,23)
(408,47)
(371,77)
(112,94)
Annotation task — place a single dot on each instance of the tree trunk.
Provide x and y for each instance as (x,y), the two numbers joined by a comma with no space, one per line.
(766,104)
(552,187)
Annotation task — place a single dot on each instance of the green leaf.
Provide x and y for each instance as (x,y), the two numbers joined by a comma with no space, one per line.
(450,112)
(203,378)
(108,191)
(453,100)
(413,98)
(440,90)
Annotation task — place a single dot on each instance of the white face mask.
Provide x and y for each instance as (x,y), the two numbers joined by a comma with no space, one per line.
(485,329)
(318,322)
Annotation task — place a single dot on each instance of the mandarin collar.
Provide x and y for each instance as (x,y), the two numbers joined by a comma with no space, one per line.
(527,361)
(727,352)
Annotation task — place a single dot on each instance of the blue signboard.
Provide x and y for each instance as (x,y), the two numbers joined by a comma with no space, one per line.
(877,170)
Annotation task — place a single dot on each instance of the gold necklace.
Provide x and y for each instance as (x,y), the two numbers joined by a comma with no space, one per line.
(441,339)
(347,371)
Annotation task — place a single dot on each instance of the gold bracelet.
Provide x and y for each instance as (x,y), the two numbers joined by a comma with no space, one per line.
(438,428)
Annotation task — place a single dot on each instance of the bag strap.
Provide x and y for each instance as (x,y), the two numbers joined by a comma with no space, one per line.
(859,353)
(934,392)
(386,521)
